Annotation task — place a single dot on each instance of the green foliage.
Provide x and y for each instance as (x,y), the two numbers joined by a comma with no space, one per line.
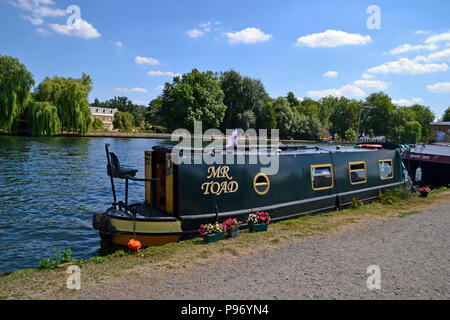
(379,118)
(424,116)
(287,119)
(293,101)
(117,254)
(356,203)
(153,114)
(123,121)
(390,196)
(224,101)
(245,99)
(269,117)
(98,124)
(43,119)
(446,115)
(70,96)
(52,263)
(350,134)
(194,96)
(15,85)
(343,114)
(412,132)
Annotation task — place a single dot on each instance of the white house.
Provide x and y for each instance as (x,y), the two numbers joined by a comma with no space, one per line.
(104,114)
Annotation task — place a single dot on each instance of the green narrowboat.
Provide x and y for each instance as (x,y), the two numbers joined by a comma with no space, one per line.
(181,197)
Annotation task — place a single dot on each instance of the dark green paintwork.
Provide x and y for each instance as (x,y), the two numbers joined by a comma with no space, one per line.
(292,183)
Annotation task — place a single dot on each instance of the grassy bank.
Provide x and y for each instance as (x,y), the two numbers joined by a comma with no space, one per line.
(35,283)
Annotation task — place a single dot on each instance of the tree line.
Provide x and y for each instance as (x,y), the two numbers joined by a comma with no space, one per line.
(56,105)
(224,100)
(228,100)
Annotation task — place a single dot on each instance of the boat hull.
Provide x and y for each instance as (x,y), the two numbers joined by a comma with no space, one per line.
(150,232)
(307,182)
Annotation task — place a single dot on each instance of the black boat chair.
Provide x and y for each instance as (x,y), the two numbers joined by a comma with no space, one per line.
(115,170)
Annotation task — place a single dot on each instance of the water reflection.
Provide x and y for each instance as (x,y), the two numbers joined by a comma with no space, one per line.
(49,189)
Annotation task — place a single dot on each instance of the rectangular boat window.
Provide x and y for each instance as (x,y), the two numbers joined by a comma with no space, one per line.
(357,172)
(386,169)
(322,177)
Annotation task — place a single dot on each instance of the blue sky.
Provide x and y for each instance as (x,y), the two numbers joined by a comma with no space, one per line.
(312,48)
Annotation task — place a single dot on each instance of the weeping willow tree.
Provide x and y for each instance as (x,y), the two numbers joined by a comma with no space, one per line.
(43,119)
(15,85)
(70,96)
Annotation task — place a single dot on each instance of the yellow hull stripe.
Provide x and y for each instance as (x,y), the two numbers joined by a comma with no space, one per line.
(146,226)
(146,241)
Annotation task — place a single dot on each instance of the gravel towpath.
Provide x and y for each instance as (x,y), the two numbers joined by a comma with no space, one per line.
(412,252)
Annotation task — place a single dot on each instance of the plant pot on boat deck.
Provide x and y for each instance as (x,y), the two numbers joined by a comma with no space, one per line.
(424,191)
(260,227)
(232,227)
(212,232)
(258,222)
(209,238)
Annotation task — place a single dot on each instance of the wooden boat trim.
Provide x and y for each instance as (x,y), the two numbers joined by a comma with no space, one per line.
(392,167)
(350,171)
(325,165)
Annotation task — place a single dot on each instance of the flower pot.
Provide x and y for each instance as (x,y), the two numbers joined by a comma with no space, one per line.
(258,227)
(423,194)
(233,234)
(214,237)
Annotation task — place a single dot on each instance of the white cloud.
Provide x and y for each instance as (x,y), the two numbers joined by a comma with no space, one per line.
(332,38)
(131,90)
(34,20)
(331,74)
(43,31)
(348,91)
(407,47)
(206,26)
(440,87)
(440,56)
(407,66)
(195,33)
(48,12)
(406,102)
(377,84)
(116,43)
(367,76)
(438,38)
(82,29)
(162,73)
(248,35)
(146,60)
(421,32)
(29,5)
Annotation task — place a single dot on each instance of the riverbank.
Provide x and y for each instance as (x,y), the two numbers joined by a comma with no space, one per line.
(192,256)
(160,136)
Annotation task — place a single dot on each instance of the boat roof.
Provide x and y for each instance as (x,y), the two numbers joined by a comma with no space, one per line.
(439,149)
(286,149)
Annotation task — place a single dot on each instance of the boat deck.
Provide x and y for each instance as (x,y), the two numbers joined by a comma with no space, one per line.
(143,211)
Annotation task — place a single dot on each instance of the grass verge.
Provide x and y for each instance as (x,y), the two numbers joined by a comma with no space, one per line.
(50,283)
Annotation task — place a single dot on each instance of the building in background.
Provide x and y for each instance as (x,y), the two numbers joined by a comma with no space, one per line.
(104,114)
(440,131)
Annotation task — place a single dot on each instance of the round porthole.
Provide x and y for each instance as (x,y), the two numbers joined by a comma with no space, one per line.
(261,184)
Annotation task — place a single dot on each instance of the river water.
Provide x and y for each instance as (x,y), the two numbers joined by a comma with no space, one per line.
(49,190)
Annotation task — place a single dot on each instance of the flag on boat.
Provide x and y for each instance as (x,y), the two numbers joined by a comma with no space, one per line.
(233,139)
